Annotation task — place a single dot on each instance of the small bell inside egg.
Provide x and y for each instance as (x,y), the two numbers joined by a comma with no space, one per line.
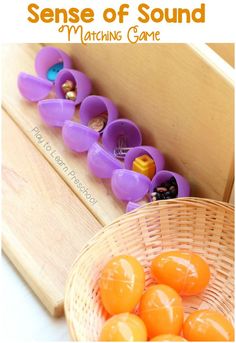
(71,95)
(68,86)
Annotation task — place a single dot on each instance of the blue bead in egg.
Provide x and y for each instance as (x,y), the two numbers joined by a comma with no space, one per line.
(53,71)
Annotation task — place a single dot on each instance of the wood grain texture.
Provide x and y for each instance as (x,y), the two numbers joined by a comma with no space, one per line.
(232,195)
(181,102)
(105,207)
(44,224)
(183,106)
(225,50)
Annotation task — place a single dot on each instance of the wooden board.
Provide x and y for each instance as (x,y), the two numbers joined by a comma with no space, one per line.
(44,223)
(183,103)
(180,98)
(232,195)
(21,58)
(225,50)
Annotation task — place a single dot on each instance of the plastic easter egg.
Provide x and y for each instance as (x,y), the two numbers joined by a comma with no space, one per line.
(33,88)
(121,284)
(161,310)
(53,71)
(168,338)
(186,272)
(208,326)
(125,327)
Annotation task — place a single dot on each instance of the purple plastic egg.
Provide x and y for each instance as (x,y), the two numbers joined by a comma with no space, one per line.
(78,137)
(155,154)
(121,132)
(101,163)
(54,112)
(33,88)
(164,176)
(132,206)
(94,105)
(128,185)
(49,56)
(80,80)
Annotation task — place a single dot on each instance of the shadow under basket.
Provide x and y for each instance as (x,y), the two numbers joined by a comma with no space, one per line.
(202,226)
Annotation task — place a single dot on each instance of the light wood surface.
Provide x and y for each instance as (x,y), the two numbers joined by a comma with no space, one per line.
(26,115)
(182,103)
(44,223)
(232,195)
(225,50)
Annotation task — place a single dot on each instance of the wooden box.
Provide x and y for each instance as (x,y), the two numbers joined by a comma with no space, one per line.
(182,98)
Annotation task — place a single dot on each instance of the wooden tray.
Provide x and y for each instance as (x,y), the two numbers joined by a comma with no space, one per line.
(25,114)
(44,223)
(181,99)
(181,96)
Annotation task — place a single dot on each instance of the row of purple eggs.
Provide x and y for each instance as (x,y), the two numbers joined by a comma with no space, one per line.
(126,184)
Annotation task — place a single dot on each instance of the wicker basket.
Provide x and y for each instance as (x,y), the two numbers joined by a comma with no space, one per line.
(202,226)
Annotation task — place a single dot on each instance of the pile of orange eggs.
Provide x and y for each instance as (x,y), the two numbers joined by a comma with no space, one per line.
(157,314)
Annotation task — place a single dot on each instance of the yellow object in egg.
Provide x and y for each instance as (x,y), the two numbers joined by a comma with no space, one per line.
(144,165)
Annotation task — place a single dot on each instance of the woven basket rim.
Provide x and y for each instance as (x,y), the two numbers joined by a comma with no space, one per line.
(140,212)
(198,202)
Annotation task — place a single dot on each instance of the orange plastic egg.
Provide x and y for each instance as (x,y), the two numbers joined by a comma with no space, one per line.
(186,272)
(208,326)
(121,284)
(124,327)
(161,310)
(168,338)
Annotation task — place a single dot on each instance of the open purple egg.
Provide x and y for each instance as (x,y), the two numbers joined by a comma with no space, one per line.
(120,135)
(51,58)
(54,112)
(138,151)
(78,137)
(93,106)
(128,185)
(33,88)
(82,84)
(163,176)
(101,163)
